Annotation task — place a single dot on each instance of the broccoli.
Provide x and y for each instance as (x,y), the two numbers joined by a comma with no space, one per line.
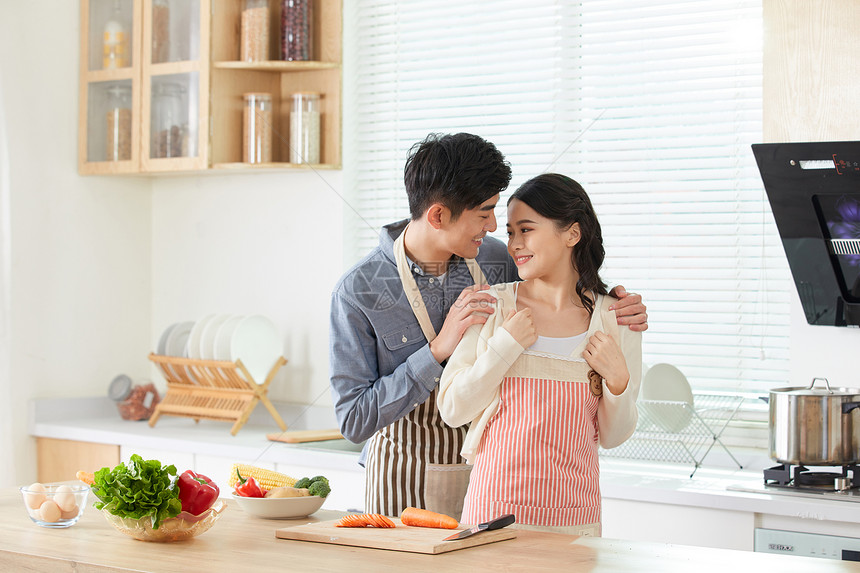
(317,485)
(320,488)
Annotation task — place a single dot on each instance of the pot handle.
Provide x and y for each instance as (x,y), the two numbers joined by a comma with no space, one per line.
(848,406)
(826,383)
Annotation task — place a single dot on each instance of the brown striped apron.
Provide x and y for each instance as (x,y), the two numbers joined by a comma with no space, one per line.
(415,462)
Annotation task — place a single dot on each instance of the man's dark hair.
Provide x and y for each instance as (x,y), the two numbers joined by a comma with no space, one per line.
(460,171)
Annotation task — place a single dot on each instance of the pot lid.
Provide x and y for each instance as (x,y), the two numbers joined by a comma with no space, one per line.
(811,390)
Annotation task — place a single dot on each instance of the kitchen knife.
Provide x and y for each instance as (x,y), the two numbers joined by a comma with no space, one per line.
(497,523)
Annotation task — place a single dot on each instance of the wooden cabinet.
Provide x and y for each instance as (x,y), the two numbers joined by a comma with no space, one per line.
(60,460)
(170,100)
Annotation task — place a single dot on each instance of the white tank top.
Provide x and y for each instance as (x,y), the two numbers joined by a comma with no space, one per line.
(559,346)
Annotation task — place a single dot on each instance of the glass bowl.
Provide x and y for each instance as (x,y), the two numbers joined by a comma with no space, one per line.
(183,526)
(58,504)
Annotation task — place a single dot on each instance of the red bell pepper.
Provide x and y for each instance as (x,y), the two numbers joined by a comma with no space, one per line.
(248,487)
(197,492)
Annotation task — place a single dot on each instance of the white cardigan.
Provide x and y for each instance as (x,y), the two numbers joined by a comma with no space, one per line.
(470,386)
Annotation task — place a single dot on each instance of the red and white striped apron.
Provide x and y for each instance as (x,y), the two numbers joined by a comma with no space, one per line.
(537,457)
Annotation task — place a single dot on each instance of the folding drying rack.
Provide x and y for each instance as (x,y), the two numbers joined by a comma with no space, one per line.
(213,390)
(679,431)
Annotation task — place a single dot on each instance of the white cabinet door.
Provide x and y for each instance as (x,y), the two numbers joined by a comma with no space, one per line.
(681,525)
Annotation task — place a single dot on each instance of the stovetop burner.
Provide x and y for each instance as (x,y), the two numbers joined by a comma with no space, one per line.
(801,477)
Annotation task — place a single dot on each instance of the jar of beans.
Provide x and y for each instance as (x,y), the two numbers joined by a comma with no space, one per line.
(255,31)
(305,128)
(118,121)
(134,401)
(257,128)
(296,29)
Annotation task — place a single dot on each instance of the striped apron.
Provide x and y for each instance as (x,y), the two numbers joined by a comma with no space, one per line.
(400,455)
(538,455)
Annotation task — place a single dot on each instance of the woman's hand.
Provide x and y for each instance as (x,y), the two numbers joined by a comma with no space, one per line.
(629,309)
(604,356)
(521,326)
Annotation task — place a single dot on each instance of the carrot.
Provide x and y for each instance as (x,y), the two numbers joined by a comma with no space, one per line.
(424,518)
(85,477)
(365,520)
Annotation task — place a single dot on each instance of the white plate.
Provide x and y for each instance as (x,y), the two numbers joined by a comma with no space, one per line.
(280,507)
(224,336)
(257,343)
(665,383)
(207,337)
(194,336)
(161,349)
(178,339)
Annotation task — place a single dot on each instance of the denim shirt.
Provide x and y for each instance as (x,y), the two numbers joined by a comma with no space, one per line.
(381,367)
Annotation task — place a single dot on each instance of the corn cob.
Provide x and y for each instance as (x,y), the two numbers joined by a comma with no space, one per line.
(267,479)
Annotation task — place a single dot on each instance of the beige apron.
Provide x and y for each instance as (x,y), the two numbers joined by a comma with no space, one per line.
(415,462)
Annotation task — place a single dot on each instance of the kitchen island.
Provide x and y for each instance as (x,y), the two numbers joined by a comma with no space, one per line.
(240,542)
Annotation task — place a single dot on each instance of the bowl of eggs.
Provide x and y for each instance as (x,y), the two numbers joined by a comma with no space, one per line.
(55,504)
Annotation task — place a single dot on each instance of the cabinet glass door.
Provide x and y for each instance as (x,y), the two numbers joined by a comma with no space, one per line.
(175,75)
(110,84)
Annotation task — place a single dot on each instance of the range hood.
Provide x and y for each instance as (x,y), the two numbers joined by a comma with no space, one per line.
(814,192)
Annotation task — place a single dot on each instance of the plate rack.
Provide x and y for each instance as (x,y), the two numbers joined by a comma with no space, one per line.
(213,390)
(678,431)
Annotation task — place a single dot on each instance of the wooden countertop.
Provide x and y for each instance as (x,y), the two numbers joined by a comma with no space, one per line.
(239,542)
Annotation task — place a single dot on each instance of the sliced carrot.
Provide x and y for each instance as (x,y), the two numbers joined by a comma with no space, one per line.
(85,477)
(364,520)
(424,518)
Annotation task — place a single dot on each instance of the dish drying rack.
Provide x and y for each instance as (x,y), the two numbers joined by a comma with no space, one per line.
(679,431)
(213,390)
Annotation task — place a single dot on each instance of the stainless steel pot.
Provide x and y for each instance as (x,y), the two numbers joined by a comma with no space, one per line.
(815,426)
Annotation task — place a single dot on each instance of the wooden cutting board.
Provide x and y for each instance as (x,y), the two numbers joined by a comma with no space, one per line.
(400,538)
(301,436)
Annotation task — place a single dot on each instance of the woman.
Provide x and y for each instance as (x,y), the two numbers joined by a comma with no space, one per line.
(549,376)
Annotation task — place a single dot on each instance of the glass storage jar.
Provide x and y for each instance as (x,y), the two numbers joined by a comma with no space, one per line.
(160,31)
(305,128)
(296,30)
(115,38)
(255,31)
(257,128)
(118,121)
(168,137)
(134,401)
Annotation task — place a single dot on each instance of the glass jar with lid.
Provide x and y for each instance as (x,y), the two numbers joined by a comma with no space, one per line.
(160,31)
(115,50)
(305,128)
(257,128)
(118,122)
(168,137)
(296,30)
(254,44)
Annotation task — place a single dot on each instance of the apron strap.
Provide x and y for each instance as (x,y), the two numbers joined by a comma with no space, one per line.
(410,287)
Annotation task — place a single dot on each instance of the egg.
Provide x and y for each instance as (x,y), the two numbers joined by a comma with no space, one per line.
(70,514)
(36,495)
(65,498)
(49,511)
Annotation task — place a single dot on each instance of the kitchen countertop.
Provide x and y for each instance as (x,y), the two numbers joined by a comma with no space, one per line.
(241,542)
(96,420)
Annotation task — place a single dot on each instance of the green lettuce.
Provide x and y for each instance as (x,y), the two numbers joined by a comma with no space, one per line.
(137,489)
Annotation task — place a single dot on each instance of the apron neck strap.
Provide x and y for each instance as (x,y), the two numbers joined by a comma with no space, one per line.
(410,287)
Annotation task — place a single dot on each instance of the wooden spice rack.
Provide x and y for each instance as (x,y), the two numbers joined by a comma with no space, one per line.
(213,390)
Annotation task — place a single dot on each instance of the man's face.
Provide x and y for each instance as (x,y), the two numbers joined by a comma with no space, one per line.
(464,235)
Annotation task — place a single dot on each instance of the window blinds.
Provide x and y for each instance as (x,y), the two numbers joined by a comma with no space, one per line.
(651,105)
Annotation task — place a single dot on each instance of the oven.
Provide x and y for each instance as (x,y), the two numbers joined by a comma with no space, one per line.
(806,544)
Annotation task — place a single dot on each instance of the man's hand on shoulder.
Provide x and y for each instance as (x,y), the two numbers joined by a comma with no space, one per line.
(473,306)
(629,309)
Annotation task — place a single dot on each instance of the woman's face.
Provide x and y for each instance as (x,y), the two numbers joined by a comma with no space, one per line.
(538,248)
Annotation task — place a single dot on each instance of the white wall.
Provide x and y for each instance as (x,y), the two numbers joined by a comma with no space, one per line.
(245,244)
(80,247)
(810,86)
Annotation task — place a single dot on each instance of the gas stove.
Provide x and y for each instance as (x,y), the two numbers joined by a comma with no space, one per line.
(822,482)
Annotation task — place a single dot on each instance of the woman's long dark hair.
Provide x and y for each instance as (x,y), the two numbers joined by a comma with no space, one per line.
(565,202)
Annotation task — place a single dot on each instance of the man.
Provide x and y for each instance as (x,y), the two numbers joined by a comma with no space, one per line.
(398,314)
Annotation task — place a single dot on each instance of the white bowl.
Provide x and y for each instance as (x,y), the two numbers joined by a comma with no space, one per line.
(665,383)
(280,507)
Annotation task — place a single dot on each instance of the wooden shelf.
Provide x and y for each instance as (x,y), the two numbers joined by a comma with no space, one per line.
(277,66)
(94,76)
